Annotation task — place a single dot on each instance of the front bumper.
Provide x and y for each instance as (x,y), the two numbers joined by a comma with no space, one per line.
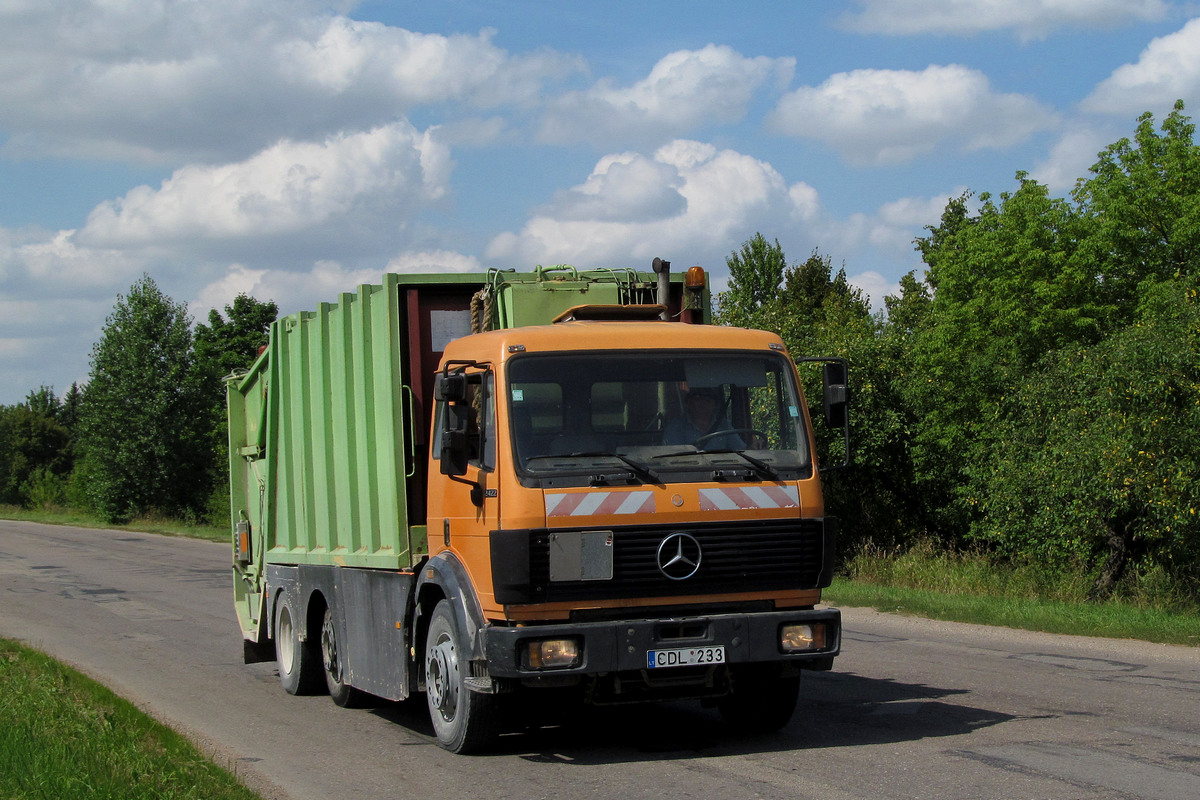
(622,645)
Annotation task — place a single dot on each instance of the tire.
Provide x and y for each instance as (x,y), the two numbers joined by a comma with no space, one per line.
(761,700)
(464,721)
(299,660)
(334,666)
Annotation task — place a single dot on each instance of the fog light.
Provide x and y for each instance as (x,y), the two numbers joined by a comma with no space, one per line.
(802,638)
(552,654)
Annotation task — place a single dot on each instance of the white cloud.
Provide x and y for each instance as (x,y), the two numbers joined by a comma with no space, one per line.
(55,294)
(728,197)
(897,223)
(882,242)
(346,54)
(1167,70)
(147,80)
(685,90)
(34,260)
(874,287)
(290,189)
(876,117)
(344,57)
(623,188)
(295,290)
(1073,155)
(724,197)
(239,279)
(290,290)
(47,342)
(1030,19)
(434,262)
(37,321)
(805,201)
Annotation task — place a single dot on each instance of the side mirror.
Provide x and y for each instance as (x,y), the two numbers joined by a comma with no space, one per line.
(835,399)
(454,452)
(451,387)
(453,393)
(836,394)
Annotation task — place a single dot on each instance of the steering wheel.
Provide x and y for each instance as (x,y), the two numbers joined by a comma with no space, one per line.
(753,433)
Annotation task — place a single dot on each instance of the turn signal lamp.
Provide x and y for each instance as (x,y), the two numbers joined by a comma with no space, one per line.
(553,654)
(694,278)
(802,638)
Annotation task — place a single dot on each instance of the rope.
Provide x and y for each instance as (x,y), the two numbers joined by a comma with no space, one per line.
(482,308)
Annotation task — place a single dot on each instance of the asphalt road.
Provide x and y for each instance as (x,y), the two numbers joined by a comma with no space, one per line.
(913,709)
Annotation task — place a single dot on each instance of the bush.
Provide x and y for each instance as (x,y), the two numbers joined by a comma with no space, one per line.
(44,489)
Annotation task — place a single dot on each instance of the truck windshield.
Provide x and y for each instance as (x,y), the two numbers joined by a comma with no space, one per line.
(653,416)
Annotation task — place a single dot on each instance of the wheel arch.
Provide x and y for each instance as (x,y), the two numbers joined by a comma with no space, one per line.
(308,600)
(315,604)
(443,577)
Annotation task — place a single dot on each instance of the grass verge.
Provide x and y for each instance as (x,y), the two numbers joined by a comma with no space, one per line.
(1113,620)
(79,519)
(931,581)
(64,736)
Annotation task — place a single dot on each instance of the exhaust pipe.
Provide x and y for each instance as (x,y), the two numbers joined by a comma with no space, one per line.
(663,270)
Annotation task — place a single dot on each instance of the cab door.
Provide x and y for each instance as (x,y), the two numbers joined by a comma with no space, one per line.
(467,506)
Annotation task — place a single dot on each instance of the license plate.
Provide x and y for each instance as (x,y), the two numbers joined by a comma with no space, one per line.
(685,657)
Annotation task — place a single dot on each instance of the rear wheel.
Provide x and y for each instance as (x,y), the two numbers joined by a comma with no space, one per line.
(334,665)
(464,721)
(761,700)
(296,655)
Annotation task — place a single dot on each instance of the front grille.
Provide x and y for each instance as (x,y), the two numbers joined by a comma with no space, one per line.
(758,556)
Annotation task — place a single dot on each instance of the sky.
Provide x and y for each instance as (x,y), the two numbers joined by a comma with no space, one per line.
(291,149)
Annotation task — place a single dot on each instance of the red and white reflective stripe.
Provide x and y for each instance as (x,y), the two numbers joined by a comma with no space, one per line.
(589,504)
(746,497)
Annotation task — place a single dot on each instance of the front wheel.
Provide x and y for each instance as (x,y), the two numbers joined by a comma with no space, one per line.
(464,721)
(761,700)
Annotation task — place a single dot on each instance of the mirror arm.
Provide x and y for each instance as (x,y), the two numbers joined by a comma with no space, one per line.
(476,489)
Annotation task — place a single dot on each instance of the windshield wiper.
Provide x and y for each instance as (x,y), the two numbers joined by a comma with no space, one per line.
(762,467)
(638,467)
(641,470)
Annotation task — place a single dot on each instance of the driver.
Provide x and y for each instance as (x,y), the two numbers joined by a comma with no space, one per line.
(703,414)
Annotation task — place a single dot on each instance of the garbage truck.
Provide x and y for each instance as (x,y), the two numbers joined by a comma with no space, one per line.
(493,489)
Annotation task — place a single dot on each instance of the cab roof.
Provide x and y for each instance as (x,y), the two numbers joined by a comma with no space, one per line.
(594,335)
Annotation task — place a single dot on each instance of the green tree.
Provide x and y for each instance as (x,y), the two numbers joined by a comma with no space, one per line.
(68,408)
(908,311)
(1098,461)
(1143,201)
(231,342)
(755,275)
(140,412)
(42,400)
(1009,285)
(1053,357)
(35,450)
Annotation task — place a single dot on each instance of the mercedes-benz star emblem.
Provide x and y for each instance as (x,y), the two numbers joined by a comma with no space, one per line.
(679,556)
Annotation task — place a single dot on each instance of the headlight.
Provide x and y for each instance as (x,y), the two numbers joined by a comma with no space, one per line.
(794,638)
(552,654)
